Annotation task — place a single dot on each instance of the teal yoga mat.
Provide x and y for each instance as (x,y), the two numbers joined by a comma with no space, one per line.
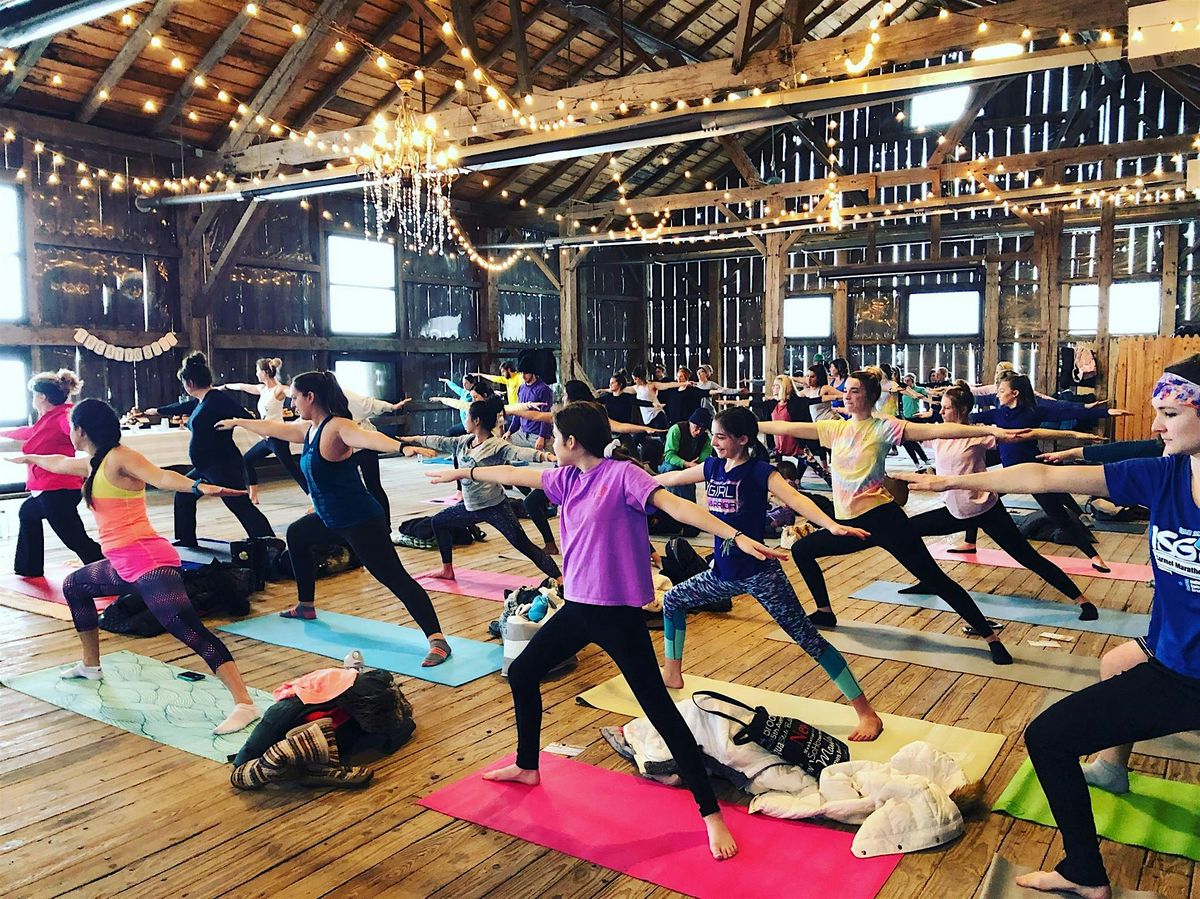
(1022,609)
(387,646)
(144,696)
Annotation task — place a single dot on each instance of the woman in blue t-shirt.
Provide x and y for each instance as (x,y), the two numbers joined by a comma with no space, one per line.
(1151,686)
(737,484)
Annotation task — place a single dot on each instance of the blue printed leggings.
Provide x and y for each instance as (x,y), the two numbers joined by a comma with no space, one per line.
(161,589)
(774,592)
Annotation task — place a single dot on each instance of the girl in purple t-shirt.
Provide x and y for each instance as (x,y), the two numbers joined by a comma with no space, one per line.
(603,501)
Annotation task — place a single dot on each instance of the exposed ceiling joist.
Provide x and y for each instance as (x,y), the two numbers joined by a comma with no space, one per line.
(741,161)
(137,41)
(26,60)
(635,34)
(516,28)
(745,32)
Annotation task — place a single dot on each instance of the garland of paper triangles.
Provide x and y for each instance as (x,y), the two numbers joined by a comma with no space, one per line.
(125,354)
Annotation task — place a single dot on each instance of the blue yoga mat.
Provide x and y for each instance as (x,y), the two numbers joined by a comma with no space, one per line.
(145,697)
(436,460)
(1022,609)
(388,646)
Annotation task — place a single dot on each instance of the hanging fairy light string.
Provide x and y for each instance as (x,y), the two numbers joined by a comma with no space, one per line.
(62,165)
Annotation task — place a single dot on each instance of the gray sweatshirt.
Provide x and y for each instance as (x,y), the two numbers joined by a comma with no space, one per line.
(493,451)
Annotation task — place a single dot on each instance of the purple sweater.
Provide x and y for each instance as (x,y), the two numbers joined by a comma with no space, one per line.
(537,392)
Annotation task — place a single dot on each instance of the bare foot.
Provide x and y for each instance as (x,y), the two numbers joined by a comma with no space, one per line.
(673,679)
(720,840)
(515,775)
(551,549)
(1052,881)
(870,726)
(446,574)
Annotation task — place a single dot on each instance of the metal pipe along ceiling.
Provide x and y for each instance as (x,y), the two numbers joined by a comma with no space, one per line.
(22,21)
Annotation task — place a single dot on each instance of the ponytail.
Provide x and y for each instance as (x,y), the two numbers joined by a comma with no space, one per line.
(324,386)
(739,421)
(587,422)
(102,427)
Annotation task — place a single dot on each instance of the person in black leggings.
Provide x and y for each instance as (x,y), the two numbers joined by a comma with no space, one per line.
(216,459)
(345,511)
(272,396)
(859,448)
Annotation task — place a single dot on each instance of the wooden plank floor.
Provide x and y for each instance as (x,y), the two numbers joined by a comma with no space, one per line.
(89,810)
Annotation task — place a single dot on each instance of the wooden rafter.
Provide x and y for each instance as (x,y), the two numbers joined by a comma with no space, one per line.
(464,24)
(531,192)
(579,189)
(953,135)
(741,161)
(793,23)
(610,190)
(516,20)
(214,55)
(137,41)
(1176,82)
(637,37)
(26,60)
(745,31)
(611,46)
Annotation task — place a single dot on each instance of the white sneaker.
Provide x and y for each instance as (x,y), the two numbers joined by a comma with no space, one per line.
(80,670)
(354,659)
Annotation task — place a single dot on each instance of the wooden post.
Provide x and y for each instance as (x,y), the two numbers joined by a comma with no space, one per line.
(489,313)
(991,315)
(712,284)
(1049,296)
(841,320)
(568,297)
(1170,280)
(1104,278)
(33,295)
(320,248)
(191,281)
(774,283)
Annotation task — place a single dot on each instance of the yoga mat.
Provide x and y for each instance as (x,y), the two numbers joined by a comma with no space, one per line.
(440,501)
(1000,883)
(974,750)
(1057,669)
(22,603)
(388,646)
(436,460)
(1120,527)
(480,584)
(47,589)
(1121,571)
(144,696)
(1156,814)
(1022,609)
(652,832)
(1182,747)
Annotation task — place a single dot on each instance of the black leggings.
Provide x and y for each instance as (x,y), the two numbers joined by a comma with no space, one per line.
(368,466)
(621,632)
(60,508)
(891,529)
(283,452)
(997,524)
(502,518)
(372,543)
(248,514)
(1147,701)
(916,452)
(1061,509)
(537,507)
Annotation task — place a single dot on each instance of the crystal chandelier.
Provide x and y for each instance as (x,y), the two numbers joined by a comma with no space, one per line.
(407,177)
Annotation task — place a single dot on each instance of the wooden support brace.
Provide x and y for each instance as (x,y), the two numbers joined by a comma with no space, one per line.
(138,40)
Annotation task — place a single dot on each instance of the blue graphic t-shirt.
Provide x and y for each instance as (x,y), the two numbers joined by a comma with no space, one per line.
(1164,485)
(739,498)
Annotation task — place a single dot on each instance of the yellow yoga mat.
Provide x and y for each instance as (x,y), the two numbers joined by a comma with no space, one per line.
(973,749)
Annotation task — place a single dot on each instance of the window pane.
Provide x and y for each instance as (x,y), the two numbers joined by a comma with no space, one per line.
(1134,308)
(808,317)
(14,402)
(364,263)
(938,107)
(12,298)
(361,310)
(944,313)
(10,236)
(1083,309)
(377,379)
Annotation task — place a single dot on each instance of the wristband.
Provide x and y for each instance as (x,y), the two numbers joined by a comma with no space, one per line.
(730,543)
(196,486)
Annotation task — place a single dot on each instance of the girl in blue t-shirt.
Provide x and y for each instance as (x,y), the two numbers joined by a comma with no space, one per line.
(738,483)
(1149,687)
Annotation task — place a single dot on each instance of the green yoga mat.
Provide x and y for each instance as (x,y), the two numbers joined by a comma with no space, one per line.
(1156,814)
(144,696)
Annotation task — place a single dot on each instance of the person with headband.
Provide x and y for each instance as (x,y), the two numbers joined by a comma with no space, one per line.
(1149,687)
(271,395)
(604,499)
(53,497)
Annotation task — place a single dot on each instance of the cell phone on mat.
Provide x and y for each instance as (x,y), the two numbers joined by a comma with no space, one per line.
(190,675)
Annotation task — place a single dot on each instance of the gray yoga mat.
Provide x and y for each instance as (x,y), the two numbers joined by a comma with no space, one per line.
(1000,883)
(1056,669)
(1021,506)
(1182,747)
(1022,609)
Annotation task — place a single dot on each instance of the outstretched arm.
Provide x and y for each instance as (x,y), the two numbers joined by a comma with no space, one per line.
(492,474)
(134,465)
(256,389)
(291,431)
(690,514)
(946,430)
(805,507)
(620,427)
(57,464)
(360,438)
(1030,477)
(522,410)
(805,430)
(680,477)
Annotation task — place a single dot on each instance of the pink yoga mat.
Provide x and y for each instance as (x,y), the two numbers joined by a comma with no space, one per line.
(441,501)
(48,588)
(472,582)
(654,833)
(1121,571)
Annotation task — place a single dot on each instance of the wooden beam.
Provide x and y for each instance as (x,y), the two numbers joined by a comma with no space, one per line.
(516,19)
(214,55)
(1175,81)
(741,161)
(980,95)
(249,218)
(137,41)
(576,191)
(627,173)
(1170,280)
(26,60)
(1032,221)
(991,314)
(745,31)
(551,276)
(841,320)
(52,129)
(793,22)
(464,24)
(638,38)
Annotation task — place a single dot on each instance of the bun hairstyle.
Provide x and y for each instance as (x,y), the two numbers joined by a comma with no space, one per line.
(961,398)
(102,427)
(485,412)
(739,421)
(56,386)
(587,422)
(1019,383)
(324,386)
(270,367)
(577,392)
(195,371)
(638,373)
(870,384)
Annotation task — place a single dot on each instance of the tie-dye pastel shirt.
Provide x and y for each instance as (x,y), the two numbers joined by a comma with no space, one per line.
(858,450)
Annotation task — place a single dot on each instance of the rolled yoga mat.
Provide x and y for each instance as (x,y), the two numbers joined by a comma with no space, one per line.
(1053,668)
(387,646)
(1021,609)
(42,595)
(1000,883)
(1156,814)
(1121,571)
(145,697)
(974,750)
(480,584)
(653,833)
(1182,747)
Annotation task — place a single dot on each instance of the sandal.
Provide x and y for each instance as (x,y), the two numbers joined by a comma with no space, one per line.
(439,651)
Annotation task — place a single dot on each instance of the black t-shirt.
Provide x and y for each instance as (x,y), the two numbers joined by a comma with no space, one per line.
(623,407)
(210,450)
(680,402)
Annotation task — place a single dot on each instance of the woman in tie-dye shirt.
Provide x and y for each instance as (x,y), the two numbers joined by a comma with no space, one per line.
(858,448)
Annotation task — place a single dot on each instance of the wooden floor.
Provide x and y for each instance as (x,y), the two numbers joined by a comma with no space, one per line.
(89,810)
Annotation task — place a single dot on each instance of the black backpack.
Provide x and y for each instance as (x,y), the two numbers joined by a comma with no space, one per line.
(217,588)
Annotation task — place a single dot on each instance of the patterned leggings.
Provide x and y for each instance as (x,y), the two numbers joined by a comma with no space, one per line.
(774,592)
(161,589)
(502,518)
